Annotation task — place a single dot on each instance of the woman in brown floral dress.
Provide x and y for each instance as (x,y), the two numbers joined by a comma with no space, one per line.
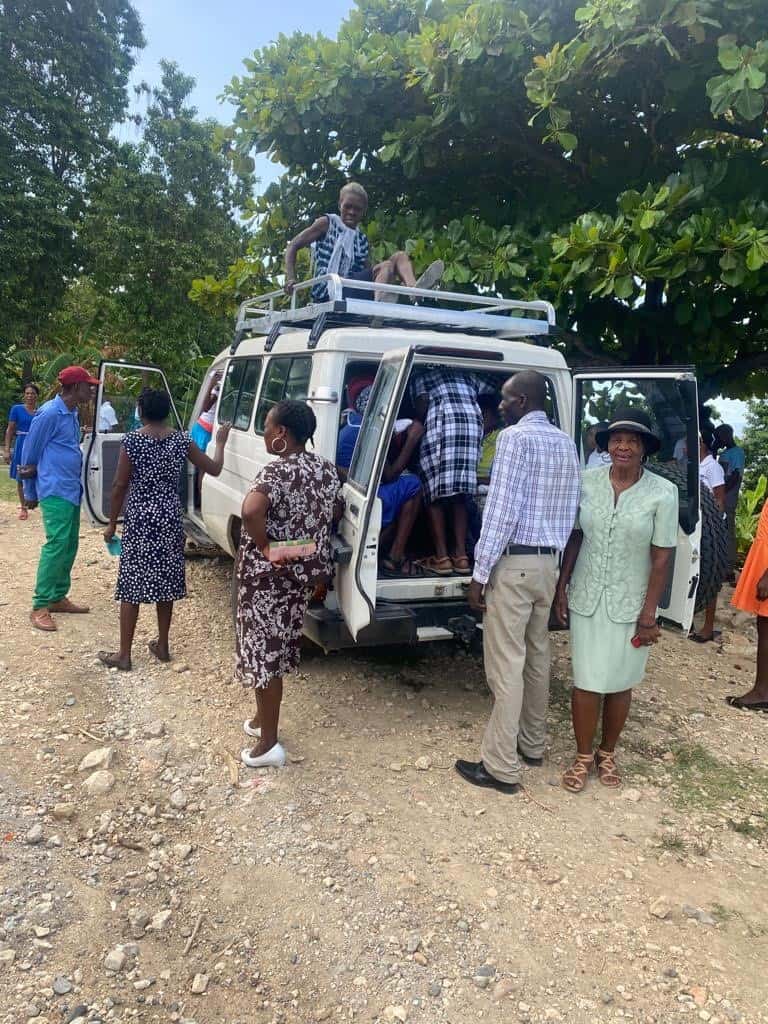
(297,497)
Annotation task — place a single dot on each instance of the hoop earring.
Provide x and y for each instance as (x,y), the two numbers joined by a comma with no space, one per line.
(283,450)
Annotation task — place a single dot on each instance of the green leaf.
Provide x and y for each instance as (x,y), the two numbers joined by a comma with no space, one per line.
(729,57)
(757,255)
(568,141)
(749,104)
(623,287)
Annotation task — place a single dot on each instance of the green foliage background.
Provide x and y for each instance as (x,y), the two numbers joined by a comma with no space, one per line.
(609,156)
(100,241)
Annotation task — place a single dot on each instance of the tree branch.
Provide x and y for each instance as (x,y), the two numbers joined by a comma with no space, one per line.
(740,131)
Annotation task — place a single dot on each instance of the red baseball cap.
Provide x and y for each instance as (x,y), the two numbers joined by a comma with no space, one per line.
(76,375)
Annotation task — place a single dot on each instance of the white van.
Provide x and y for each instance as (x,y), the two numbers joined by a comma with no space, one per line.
(311,352)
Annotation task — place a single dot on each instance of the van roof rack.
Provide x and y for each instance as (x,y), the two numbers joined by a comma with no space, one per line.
(435,310)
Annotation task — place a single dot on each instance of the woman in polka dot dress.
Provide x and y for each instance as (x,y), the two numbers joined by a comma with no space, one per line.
(152,558)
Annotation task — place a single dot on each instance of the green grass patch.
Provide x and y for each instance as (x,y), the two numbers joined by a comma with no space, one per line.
(672,844)
(749,827)
(700,781)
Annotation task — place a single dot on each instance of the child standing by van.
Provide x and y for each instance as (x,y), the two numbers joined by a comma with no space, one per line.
(340,247)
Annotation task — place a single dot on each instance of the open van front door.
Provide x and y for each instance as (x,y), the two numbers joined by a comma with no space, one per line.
(361,523)
(670,397)
(115,415)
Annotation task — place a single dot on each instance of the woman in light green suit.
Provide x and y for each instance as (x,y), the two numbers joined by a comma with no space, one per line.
(614,572)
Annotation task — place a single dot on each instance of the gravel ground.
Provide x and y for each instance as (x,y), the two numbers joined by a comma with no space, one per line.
(145,877)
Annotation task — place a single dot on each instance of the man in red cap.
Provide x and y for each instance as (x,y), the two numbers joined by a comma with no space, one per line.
(52,456)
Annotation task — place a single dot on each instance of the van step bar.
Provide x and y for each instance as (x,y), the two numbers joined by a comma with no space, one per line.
(393,624)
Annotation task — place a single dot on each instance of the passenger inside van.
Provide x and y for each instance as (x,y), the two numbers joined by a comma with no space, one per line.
(489,407)
(399,491)
(446,401)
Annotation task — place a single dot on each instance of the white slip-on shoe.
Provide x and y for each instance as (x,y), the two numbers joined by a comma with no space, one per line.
(250,731)
(273,758)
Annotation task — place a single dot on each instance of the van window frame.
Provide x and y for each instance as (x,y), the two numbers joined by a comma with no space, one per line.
(244,361)
(291,358)
(486,370)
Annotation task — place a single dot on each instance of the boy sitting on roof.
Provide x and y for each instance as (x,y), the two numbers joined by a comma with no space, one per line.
(340,247)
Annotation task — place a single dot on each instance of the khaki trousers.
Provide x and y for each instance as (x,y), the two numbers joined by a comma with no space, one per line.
(516,651)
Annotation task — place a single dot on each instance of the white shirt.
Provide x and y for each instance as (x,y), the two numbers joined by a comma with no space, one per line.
(534,492)
(107,417)
(597,459)
(711,473)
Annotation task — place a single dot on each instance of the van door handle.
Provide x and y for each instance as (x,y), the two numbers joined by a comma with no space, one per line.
(355,510)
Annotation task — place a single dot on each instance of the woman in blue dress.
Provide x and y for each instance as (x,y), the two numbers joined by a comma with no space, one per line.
(19,420)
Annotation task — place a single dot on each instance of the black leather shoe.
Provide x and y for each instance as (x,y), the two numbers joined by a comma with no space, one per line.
(534,762)
(474,772)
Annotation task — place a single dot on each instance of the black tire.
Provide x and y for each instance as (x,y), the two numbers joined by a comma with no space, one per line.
(713,566)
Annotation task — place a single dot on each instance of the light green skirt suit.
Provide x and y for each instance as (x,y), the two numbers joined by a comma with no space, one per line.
(610,578)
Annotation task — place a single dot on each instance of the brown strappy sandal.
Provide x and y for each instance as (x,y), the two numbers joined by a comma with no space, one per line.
(575,778)
(605,766)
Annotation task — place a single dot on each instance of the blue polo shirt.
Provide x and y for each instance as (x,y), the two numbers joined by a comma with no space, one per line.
(53,445)
(348,435)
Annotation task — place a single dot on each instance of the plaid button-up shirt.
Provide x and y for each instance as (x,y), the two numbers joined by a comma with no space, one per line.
(534,491)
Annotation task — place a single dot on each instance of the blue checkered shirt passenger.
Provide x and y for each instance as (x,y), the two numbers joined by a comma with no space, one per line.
(534,492)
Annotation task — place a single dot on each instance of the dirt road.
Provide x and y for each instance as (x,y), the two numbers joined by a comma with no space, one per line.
(365,881)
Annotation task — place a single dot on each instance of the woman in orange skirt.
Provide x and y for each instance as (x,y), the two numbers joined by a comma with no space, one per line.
(752,596)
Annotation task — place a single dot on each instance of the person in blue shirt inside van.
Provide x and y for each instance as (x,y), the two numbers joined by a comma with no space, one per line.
(399,491)
(340,247)
(51,456)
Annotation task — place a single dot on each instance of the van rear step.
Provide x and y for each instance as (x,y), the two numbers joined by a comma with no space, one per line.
(392,624)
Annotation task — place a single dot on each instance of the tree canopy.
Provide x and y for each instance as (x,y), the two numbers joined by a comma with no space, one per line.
(161,212)
(64,72)
(100,241)
(608,155)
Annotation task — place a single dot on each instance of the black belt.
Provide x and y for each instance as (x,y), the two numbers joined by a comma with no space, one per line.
(527,549)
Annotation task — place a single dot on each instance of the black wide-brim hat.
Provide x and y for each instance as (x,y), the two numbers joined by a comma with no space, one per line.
(633,421)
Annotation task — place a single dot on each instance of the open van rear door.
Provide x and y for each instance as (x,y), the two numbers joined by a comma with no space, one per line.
(361,523)
(670,397)
(115,415)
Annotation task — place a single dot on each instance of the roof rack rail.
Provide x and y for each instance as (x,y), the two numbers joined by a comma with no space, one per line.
(423,308)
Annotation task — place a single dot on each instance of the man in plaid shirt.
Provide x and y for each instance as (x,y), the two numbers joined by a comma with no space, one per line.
(529,514)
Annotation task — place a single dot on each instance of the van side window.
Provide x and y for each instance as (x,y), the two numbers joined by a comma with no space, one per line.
(238,392)
(285,377)
(230,388)
(247,397)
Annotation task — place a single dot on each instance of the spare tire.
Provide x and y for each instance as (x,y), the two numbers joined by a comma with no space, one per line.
(713,565)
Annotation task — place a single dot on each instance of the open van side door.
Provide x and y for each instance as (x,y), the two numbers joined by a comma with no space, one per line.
(361,522)
(115,414)
(670,397)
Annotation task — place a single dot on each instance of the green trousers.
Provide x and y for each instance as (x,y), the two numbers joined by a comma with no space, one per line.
(61,520)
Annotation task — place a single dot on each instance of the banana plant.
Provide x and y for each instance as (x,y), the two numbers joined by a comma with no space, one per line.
(748,514)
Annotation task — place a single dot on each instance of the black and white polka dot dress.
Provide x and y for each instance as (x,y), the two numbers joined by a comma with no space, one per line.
(152,559)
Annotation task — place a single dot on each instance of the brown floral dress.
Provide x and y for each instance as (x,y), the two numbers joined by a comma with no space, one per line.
(271,601)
